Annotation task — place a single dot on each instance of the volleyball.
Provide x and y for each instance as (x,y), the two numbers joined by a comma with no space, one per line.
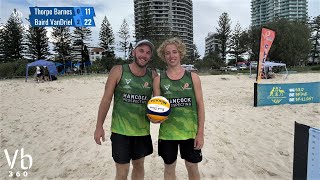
(158,108)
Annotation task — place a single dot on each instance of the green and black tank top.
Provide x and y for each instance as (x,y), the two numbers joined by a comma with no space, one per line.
(130,101)
(182,122)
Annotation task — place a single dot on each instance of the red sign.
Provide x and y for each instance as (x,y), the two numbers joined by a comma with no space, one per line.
(267,37)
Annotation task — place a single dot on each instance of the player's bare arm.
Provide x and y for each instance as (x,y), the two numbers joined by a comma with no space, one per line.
(199,141)
(112,81)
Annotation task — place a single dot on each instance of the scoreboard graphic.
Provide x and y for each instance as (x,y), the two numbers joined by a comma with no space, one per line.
(62,16)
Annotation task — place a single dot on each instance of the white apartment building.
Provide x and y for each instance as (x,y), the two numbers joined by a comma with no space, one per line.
(177,15)
(263,11)
(96,53)
(211,43)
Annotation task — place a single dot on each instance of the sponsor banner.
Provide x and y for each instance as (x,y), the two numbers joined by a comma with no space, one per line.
(266,40)
(293,93)
(306,156)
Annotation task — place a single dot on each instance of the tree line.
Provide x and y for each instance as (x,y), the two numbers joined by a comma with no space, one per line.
(20,45)
(294,42)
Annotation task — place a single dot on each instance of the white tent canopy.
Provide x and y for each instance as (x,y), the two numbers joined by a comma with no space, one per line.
(268,64)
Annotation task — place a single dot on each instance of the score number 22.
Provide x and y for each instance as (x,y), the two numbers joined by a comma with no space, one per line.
(87,22)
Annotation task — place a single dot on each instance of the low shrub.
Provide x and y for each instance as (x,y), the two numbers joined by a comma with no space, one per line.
(315,68)
(13,69)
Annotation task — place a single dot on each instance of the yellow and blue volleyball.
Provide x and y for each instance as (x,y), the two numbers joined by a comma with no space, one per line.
(158,108)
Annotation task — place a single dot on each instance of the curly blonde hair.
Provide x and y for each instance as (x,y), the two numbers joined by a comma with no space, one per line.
(175,41)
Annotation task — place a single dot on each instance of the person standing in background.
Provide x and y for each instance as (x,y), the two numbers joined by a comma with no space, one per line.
(38,73)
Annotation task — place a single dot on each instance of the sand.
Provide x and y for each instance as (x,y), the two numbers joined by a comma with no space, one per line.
(54,123)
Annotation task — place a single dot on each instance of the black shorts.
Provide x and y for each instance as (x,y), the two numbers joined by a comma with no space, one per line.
(168,150)
(125,148)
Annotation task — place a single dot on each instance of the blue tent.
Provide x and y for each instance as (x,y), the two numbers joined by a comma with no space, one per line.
(68,64)
(268,64)
(58,64)
(78,64)
(86,63)
(50,65)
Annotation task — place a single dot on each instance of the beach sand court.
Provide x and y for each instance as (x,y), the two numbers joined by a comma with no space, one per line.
(54,123)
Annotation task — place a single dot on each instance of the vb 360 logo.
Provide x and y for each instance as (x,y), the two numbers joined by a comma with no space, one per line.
(12,160)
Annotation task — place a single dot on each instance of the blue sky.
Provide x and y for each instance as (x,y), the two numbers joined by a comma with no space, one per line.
(205,14)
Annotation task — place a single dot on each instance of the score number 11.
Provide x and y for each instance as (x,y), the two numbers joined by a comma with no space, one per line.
(87,11)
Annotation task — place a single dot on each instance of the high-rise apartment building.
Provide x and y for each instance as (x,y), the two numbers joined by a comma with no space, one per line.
(263,11)
(174,15)
(211,43)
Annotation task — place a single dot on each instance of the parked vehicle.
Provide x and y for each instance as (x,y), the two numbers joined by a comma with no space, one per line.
(223,69)
(254,64)
(189,67)
(242,67)
(232,68)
